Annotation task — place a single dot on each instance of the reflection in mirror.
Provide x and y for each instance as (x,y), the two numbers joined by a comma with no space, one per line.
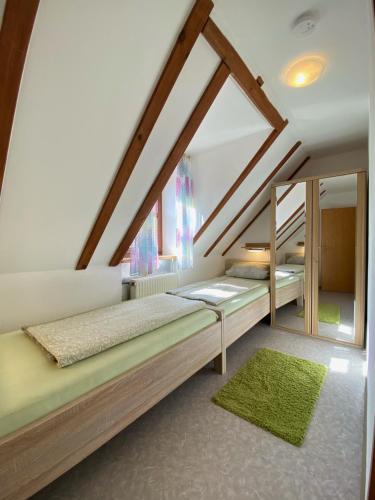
(337,234)
(290,256)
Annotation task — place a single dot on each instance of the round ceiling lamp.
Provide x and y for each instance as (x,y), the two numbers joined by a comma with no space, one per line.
(304,71)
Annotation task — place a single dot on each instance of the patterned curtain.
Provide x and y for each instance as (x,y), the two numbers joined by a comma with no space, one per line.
(185,215)
(144,249)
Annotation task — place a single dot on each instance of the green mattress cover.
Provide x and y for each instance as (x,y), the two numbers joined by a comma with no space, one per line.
(31,385)
(288,280)
(242,300)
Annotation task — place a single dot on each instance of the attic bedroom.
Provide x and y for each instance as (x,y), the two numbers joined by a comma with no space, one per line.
(186,249)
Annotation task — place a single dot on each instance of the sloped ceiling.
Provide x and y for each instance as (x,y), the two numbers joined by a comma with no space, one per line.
(334,111)
(90,68)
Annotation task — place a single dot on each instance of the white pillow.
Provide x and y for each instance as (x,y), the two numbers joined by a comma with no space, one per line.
(296,259)
(250,270)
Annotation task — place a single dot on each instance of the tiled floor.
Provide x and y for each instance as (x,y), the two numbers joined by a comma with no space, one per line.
(188,448)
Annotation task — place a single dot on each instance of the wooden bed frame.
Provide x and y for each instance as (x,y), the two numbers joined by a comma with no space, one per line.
(287,293)
(239,322)
(35,455)
(254,312)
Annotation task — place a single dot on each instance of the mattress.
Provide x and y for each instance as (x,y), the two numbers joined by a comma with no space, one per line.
(32,385)
(292,278)
(232,305)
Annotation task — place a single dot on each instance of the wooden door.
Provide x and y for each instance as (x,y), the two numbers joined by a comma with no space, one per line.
(338,249)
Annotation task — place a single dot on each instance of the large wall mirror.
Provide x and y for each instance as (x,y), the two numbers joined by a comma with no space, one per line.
(291,238)
(339,257)
(318,256)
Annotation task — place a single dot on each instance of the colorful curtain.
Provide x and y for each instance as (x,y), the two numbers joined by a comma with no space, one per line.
(185,215)
(144,249)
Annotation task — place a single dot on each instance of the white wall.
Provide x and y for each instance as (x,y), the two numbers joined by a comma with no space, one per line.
(335,162)
(371,262)
(36,297)
(83,90)
(218,168)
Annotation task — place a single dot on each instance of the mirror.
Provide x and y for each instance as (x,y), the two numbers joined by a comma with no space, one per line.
(290,240)
(336,250)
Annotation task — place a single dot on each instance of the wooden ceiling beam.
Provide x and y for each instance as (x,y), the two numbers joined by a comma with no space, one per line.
(186,39)
(266,205)
(237,183)
(16,28)
(175,155)
(258,214)
(261,188)
(293,174)
(290,217)
(278,236)
(242,74)
(291,234)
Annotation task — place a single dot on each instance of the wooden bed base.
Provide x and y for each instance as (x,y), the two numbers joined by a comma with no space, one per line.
(35,455)
(286,294)
(245,318)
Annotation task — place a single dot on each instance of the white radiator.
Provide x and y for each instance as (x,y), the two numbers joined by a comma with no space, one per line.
(150,285)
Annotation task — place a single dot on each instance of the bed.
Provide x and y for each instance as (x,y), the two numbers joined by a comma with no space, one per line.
(52,418)
(245,310)
(290,281)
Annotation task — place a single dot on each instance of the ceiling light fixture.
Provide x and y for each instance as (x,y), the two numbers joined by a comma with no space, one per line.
(304,71)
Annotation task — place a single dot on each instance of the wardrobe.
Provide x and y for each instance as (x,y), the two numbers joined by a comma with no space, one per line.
(318,234)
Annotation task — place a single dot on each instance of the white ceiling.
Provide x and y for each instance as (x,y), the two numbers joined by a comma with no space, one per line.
(231,116)
(331,113)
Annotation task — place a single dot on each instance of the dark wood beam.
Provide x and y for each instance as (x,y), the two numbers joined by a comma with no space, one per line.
(242,74)
(237,183)
(247,227)
(291,234)
(289,225)
(291,217)
(261,188)
(175,155)
(16,28)
(293,174)
(266,205)
(186,39)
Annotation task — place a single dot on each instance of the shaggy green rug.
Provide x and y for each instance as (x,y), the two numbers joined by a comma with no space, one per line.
(328,313)
(275,391)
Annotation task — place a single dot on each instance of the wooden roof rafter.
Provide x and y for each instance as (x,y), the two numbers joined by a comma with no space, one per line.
(261,188)
(247,83)
(175,155)
(291,234)
(278,236)
(296,211)
(264,207)
(289,222)
(292,185)
(16,29)
(235,67)
(184,44)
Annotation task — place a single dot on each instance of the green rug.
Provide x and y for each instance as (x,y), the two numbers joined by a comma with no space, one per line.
(328,313)
(275,391)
